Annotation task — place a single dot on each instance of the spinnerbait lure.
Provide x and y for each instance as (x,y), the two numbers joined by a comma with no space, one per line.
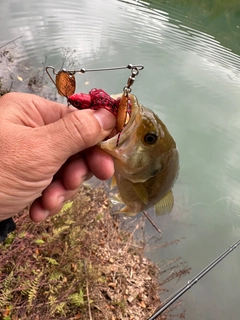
(97,98)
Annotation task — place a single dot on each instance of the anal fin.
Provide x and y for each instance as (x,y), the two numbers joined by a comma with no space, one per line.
(116,198)
(126,212)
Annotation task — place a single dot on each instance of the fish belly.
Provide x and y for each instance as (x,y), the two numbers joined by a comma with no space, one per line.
(133,203)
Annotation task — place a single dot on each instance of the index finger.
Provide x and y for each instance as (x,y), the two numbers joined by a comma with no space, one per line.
(34,109)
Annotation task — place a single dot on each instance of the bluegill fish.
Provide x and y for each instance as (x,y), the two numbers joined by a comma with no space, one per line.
(146,162)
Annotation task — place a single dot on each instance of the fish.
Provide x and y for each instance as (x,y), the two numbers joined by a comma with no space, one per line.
(146,162)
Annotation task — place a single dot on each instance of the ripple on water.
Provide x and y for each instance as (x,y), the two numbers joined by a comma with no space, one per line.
(96,25)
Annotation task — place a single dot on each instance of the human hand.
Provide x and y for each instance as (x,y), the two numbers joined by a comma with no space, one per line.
(47,151)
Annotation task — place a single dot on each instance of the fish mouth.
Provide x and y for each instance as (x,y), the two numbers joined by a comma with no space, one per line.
(118,139)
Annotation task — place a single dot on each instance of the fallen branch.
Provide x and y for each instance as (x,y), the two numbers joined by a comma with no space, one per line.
(151,221)
(12,41)
(87,291)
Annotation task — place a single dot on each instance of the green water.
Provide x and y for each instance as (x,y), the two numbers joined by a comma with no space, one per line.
(190,50)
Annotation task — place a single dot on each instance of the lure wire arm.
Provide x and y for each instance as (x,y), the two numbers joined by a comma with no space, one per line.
(129,66)
(53,70)
(83,70)
(70,73)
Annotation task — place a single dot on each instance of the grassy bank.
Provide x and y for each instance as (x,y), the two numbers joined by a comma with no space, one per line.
(78,264)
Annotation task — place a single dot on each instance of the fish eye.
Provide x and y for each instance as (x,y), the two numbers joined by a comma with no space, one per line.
(150,138)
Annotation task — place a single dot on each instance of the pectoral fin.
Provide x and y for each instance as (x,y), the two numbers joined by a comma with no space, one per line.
(165,205)
(141,192)
(113,183)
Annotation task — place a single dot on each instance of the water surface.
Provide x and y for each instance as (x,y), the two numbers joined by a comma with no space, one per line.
(191,80)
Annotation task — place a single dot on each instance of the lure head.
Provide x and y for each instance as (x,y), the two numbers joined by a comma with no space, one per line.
(80,101)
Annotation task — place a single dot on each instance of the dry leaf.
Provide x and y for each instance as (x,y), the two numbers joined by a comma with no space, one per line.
(142,304)
(112,285)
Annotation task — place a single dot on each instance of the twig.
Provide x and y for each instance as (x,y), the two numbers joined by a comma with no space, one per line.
(151,221)
(87,291)
(131,245)
(128,243)
(10,88)
(10,42)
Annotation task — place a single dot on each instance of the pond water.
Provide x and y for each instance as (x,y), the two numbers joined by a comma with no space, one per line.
(191,79)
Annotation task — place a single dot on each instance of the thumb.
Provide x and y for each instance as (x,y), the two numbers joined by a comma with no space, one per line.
(77,131)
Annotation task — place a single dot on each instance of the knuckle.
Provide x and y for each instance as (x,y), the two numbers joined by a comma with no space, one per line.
(84,128)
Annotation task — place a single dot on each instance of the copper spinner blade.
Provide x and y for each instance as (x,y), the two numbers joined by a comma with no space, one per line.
(122,112)
(65,83)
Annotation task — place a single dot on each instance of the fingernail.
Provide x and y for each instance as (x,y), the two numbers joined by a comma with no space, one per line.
(105,118)
(61,199)
(46,214)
